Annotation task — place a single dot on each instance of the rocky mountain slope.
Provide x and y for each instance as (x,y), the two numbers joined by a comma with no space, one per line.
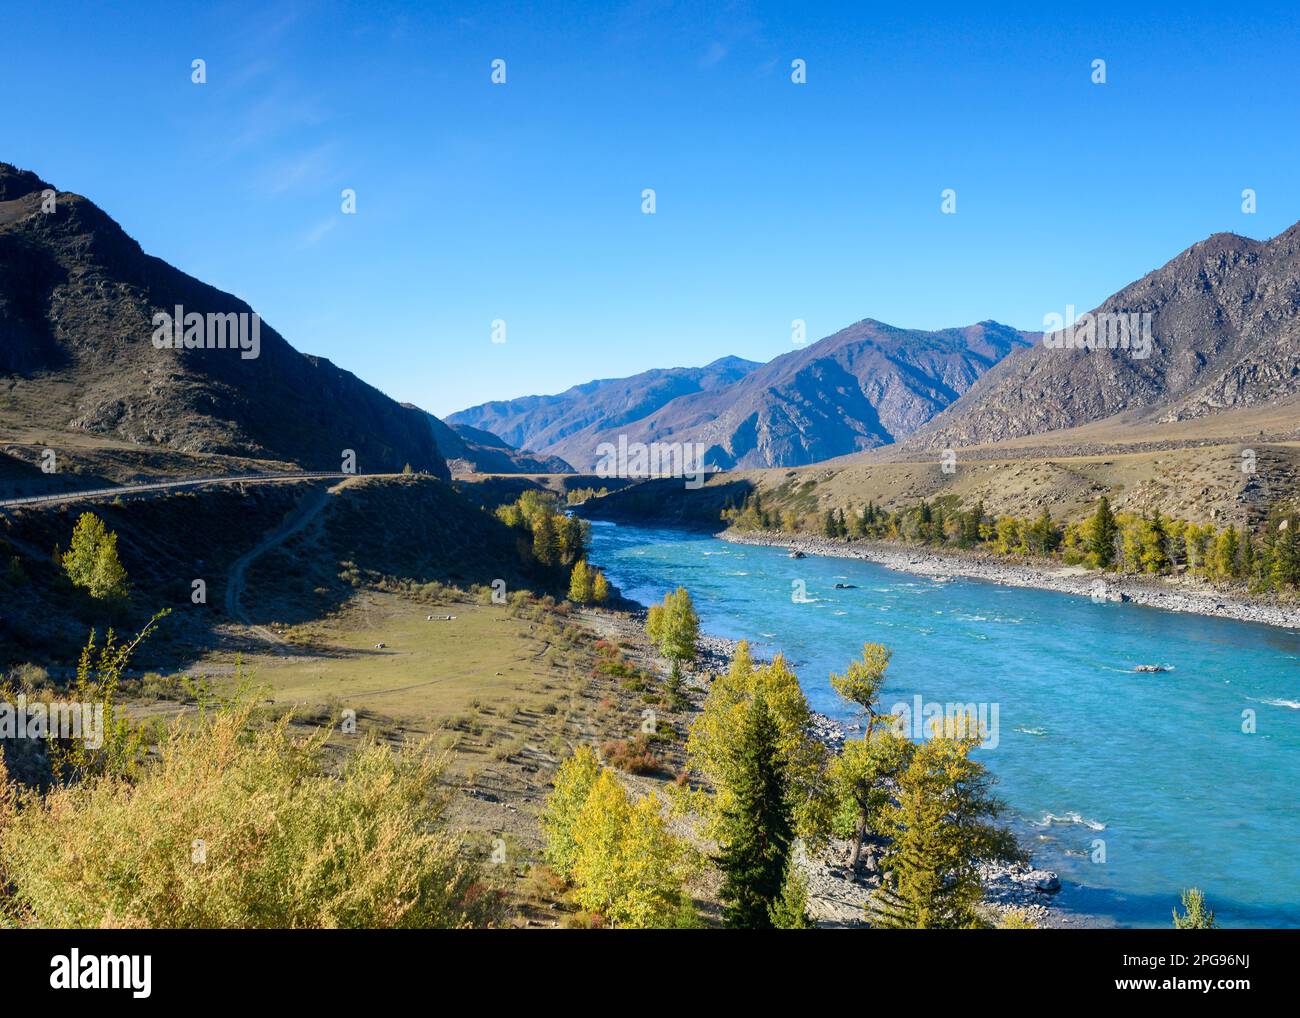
(865,386)
(1224,330)
(77,300)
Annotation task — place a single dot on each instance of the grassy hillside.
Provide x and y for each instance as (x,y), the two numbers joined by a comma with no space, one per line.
(412,530)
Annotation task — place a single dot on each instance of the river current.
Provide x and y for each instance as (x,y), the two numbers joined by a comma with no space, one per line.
(1131,785)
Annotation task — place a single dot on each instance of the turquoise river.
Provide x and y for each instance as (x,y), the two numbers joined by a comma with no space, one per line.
(1131,785)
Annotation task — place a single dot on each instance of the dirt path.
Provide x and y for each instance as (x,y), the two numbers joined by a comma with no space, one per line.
(306,511)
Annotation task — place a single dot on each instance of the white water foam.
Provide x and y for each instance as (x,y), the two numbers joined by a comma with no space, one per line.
(1051,820)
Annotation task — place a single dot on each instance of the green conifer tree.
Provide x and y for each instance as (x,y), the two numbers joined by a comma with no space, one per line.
(757,831)
(546,542)
(790,911)
(1102,532)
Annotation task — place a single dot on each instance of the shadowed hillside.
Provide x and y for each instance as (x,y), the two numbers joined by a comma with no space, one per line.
(77,300)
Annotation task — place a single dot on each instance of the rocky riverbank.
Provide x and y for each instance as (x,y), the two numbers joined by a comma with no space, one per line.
(1171,594)
(838,898)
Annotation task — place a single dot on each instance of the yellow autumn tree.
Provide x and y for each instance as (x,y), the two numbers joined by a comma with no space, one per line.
(709,746)
(571,787)
(627,865)
(942,823)
(580,583)
(863,680)
(91,561)
(674,626)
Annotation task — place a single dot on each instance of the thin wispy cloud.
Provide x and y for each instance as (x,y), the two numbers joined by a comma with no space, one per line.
(299,171)
(714,55)
(318,233)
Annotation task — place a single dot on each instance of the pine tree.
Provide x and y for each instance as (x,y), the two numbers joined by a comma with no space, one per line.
(1102,532)
(756,827)
(790,911)
(674,688)
(1158,558)
(546,542)
(977,522)
(938,519)
(1152,554)
(710,745)
(1225,553)
(1246,557)
(1042,533)
(1286,554)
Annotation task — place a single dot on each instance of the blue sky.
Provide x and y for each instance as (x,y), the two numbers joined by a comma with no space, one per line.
(775,201)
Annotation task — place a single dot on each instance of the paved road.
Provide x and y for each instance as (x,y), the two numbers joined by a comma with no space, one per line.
(98,494)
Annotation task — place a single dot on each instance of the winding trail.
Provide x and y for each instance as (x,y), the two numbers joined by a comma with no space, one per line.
(303,514)
(311,504)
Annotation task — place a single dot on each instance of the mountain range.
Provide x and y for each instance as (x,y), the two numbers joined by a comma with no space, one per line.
(865,386)
(567,424)
(1214,330)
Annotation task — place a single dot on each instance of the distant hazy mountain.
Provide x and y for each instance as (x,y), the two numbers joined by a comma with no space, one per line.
(563,424)
(77,304)
(1224,333)
(865,386)
(471,450)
